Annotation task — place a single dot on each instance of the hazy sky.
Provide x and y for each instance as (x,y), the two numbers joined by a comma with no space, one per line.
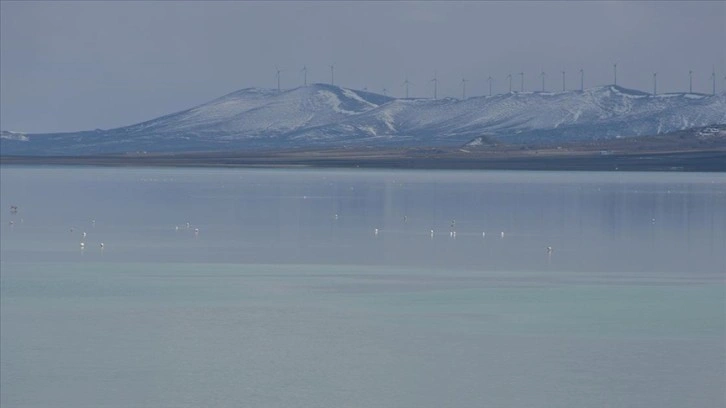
(68,66)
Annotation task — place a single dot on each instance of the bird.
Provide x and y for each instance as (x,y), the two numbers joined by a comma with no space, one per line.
(483,234)
(84,234)
(101,245)
(375,231)
(549,249)
(83,245)
(502,234)
(432,233)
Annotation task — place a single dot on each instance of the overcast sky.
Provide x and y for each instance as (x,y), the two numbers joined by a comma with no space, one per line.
(68,66)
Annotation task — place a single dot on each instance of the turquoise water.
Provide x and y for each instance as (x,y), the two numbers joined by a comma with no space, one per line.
(276,302)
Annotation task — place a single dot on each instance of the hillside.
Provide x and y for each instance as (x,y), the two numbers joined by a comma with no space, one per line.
(326,116)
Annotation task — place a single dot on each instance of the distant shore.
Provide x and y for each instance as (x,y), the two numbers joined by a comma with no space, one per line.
(712,160)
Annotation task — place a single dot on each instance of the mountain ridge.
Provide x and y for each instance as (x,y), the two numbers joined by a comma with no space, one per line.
(321,115)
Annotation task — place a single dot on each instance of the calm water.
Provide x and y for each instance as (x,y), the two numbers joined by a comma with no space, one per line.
(287,297)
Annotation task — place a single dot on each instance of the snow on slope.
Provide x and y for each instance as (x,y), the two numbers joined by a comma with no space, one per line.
(329,116)
(526,117)
(256,112)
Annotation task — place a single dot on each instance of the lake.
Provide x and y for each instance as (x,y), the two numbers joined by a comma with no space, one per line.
(359,288)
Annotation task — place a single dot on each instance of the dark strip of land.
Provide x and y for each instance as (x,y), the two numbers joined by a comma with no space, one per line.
(711,160)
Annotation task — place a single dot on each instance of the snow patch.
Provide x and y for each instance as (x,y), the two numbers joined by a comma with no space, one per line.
(17,136)
(334,102)
(352,95)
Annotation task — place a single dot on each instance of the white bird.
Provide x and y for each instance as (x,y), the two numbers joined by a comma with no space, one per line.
(176,228)
(502,234)
(483,234)
(83,245)
(336,216)
(432,233)
(196,230)
(405,218)
(549,249)
(101,245)
(375,231)
(188,225)
(84,235)
(453,234)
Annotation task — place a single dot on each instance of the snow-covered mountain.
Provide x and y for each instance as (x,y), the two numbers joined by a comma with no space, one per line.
(324,116)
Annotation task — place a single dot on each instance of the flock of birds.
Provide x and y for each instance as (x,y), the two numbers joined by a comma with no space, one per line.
(85,234)
(452,231)
(188,226)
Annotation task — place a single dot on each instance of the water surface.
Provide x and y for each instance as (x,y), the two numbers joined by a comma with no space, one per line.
(280,293)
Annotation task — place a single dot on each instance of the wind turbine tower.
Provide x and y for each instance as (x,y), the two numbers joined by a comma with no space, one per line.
(304,70)
(332,74)
(521,74)
(563,81)
(713,77)
(615,74)
(655,83)
(510,82)
(582,79)
(278,78)
(406,83)
(690,81)
(436,83)
(463,87)
(490,85)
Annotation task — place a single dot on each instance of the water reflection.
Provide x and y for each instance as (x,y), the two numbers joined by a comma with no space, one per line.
(597,222)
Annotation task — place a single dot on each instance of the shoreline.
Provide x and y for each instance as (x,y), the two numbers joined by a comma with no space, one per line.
(424,159)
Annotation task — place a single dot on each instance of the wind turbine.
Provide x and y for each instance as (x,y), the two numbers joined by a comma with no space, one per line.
(436,83)
(490,85)
(510,82)
(463,87)
(655,83)
(521,74)
(304,70)
(615,74)
(543,75)
(713,77)
(332,74)
(690,81)
(582,79)
(278,77)
(406,83)
(563,81)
